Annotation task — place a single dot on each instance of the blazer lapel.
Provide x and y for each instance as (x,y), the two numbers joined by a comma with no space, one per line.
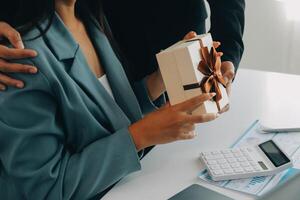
(67,50)
(118,80)
(88,82)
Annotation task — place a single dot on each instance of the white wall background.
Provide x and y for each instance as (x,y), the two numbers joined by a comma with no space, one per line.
(272,41)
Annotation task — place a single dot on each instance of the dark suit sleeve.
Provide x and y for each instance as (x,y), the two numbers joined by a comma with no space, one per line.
(147,105)
(227,26)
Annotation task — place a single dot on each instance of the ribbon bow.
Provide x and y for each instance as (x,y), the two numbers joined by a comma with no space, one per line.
(210,66)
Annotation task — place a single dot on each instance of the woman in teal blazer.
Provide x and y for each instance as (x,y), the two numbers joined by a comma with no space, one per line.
(63,136)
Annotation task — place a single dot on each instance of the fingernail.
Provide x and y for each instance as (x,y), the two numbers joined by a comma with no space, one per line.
(217,115)
(2,87)
(212,94)
(34,53)
(20,85)
(195,133)
(33,70)
(20,45)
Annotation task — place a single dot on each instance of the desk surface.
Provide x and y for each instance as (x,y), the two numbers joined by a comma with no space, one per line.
(167,169)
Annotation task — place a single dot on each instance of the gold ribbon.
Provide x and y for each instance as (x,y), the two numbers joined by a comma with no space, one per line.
(210,66)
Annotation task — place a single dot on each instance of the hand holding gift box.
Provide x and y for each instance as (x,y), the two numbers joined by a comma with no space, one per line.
(190,68)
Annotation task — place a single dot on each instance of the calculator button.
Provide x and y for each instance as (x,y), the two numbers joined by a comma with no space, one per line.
(225,166)
(225,151)
(248,169)
(222,161)
(238,170)
(214,167)
(215,152)
(238,154)
(253,163)
(219,156)
(228,155)
(212,162)
(245,164)
(206,153)
(249,158)
(228,171)
(235,150)
(257,168)
(241,159)
(246,154)
(231,160)
(235,165)
(218,172)
(244,150)
(210,157)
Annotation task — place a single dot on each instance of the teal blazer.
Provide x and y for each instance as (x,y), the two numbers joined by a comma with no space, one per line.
(63,136)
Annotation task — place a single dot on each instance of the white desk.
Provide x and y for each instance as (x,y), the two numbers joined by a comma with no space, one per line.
(167,169)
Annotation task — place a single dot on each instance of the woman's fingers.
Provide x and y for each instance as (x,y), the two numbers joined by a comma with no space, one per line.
(193,103)
(187,136)
(188,127)
(202,118)
(10,81)
(10,53)
(225,109)
(166,106)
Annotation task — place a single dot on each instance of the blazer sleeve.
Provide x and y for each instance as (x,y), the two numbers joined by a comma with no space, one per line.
(227,26)
(34,154)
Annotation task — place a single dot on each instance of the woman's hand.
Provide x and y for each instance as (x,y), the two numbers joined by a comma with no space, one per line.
(18,52)
(170,123)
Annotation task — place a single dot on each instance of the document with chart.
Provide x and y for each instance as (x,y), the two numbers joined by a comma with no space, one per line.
(289,142)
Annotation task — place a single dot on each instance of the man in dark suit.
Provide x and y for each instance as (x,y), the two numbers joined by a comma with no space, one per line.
(143,28)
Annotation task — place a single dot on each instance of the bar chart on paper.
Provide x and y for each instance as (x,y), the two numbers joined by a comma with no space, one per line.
(289,142)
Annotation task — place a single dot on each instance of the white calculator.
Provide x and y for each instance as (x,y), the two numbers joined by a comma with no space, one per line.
(260,160)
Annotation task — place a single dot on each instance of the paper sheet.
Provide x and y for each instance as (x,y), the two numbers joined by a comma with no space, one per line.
(289,142)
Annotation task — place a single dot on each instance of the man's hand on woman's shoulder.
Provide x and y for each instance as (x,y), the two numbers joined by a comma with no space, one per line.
(18,52)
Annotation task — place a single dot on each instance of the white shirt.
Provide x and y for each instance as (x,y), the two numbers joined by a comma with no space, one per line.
(103,80)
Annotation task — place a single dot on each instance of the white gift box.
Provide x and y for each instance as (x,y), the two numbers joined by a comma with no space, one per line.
(179,68)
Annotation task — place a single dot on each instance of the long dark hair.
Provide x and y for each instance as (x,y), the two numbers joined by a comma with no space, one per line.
(27,14)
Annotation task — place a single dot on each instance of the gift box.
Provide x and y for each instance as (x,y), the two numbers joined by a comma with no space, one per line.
(190,68)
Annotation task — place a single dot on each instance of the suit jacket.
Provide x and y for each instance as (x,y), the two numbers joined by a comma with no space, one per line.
(143,28)
(63,136)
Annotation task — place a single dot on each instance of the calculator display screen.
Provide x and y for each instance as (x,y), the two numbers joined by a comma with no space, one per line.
(272,151)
